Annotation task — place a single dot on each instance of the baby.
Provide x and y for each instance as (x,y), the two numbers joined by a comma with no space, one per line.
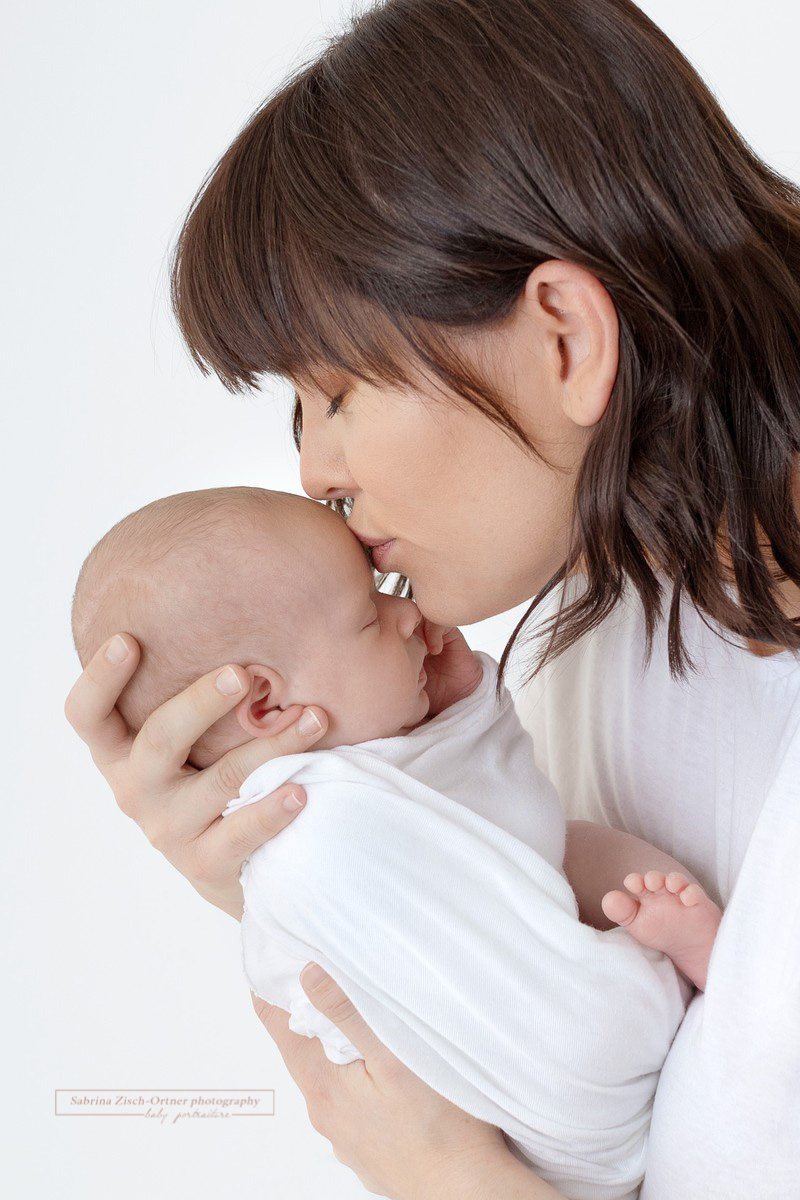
(426,872)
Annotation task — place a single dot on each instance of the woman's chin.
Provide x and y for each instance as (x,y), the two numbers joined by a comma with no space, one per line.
(471,600)
(453,611)
(439,605)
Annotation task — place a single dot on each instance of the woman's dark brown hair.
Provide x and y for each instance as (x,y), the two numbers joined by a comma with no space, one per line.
(396,193)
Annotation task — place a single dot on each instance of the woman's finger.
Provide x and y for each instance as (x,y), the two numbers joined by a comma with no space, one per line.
(230,840)
(165,740)
(296,729)
(89,707)
(304,1057)
(326,996)
(222,782)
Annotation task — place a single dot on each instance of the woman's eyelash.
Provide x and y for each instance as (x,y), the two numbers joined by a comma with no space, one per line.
(335,405)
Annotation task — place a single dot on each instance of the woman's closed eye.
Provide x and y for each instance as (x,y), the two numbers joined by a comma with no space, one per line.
(335,405)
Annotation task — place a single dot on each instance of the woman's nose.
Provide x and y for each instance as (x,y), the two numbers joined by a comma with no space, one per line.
(323,472)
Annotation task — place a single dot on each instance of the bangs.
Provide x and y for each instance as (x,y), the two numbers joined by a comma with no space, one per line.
(264,279)
(292,263)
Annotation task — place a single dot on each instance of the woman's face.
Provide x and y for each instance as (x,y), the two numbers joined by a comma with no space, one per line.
(478,523)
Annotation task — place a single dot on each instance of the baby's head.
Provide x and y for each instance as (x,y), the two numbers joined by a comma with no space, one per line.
(271,581)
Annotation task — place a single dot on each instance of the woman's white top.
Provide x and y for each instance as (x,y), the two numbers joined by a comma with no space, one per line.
(425,875)
(708,770)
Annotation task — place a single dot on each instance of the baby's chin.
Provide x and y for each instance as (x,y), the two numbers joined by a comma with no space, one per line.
(424,713)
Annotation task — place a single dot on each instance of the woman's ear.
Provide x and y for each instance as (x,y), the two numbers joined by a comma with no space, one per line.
(261,707)
(578,313)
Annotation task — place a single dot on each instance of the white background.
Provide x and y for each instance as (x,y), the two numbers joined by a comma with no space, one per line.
(116,974)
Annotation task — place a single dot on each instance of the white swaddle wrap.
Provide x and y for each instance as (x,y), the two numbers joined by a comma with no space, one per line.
(424,875)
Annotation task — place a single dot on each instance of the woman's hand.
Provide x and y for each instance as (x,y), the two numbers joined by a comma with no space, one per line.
(401,1138)
(177,807)
(453,670)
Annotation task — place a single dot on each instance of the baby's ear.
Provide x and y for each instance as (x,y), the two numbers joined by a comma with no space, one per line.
(261,709)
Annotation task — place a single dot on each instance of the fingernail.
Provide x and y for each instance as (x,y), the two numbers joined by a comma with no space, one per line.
(312,976)
(292,802)
(227,682)
(308,724)
(117,649)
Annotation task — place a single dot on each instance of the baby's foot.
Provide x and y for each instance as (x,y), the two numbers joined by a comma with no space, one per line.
(670,914)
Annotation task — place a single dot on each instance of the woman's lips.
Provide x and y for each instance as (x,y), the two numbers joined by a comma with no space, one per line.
(378,549)
(380,554)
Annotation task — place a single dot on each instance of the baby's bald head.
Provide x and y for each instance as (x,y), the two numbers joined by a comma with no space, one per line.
(200,579)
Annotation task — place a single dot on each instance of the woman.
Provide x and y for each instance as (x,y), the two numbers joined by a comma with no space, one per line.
(540,305)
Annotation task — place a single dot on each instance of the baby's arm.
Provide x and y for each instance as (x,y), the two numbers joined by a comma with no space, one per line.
(668,908)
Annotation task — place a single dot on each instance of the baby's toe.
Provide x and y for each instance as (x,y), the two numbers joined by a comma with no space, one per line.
(654,881)
(619,907)
(675,882)
(692,895)
(634,883)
